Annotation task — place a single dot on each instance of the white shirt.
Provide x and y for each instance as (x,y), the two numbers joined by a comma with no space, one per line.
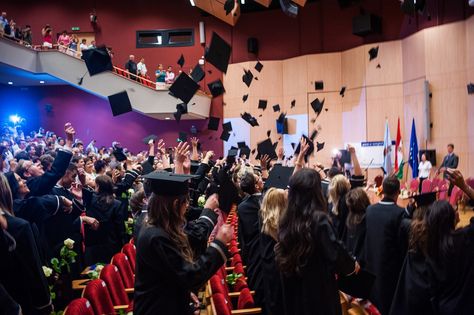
(424,168)
(83,46)
(169,77)
(141,67)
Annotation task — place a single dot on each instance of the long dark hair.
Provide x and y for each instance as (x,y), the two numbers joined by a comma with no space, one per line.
(6,200)
(296,239)
(105,191)
(164,211)
(440,222)
(357,202)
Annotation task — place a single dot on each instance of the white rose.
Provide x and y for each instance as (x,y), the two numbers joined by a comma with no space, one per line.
(47,271)
(98,268)
(131,191)
(130,221)
(69,243)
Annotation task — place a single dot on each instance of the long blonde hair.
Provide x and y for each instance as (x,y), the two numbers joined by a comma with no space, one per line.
(273,205)
(338,187)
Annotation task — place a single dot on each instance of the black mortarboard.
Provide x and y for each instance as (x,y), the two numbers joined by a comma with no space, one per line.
(229,6)
(227,126)
(194,166)
(169,184)
(150,137)
(378,66)
(279,177)
(180,61)
(310,149)
(198,74)
(119,155)
(470,88)
(269,132)
(183,136)
(184,88)
(213,123)
(241,144)
(216,88)
(245,97)
(218,53)
(266,148)
(345,156)
(342,91)
(97,60)
(317,106)
(293,103)
(425,199)
(245,150)
(120,103)
(182,108)
(373,53)
(259,66)
(177,116)
(319,85)
(262,104)
(320,146)
(276,108)
(359,285)
(313,134)
(225,135)
(250,119)
(232,152)
(247,77)
(282,124)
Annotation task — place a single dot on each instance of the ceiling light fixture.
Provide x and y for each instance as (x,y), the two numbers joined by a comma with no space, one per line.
(41,82)
(10,83)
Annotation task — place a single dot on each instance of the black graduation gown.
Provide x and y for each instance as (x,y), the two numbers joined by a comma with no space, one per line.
(106,241)
(249,236)
(339,220)
(385,250)
(198,231)
(454,280)
(8,306)
(22,274)
(354,240)
(164,279)
(315,291)
(413,295)
(272,299)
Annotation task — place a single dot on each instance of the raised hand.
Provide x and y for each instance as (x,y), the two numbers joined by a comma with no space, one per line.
(225,233)
(264,161)
(70,132)
(92,222)
(212,202)
(181,151)
(194,142)
(280,153)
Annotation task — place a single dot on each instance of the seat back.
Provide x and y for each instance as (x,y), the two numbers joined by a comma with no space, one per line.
(443,192)
(131,252)
(456,195)
(222,305)
(414,185)
(98,295)
(426,186)
(470,182)
(79,306)
(121,261)
(245,299)
(112,278)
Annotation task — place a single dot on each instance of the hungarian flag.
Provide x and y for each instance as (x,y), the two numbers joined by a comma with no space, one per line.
(397,146)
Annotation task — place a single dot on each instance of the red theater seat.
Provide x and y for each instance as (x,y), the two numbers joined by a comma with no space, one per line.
(121,261)
(96,292)
(79,307)
(131,252)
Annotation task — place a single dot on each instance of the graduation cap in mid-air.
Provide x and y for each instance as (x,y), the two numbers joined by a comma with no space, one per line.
(293,103)
(97,60)
(181,109)
(317,106)
(373,53)
(319,85)
(229,6)
(259,66)
(262,104)
(184,88)
(319,146)
(227,126)
(213,123)
(182,136)
(279,177)
(216,88)
(180,61)
(276,108)
(266,148)
(225,135)
(247,77)
(342,91)
(198,73)
(470,88)
(147,139)
(310,149)
(120,103)
(245,97)
(218,53)
(282,124)
(249,119)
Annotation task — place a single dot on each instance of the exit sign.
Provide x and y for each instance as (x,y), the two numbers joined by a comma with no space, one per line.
(75,28)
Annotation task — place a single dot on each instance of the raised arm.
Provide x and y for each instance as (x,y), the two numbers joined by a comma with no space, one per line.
(194,153)
(299,162)
(355,161)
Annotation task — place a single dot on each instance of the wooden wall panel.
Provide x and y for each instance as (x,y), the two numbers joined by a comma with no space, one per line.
(354,115)
(413,48)
(270,80)
(326,68)
(295,76)
(470,98)
(234,86)
(353,67)
(390,60)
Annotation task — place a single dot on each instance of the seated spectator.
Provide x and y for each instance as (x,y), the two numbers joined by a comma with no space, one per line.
(141,67)
(169,78)
(47,33)
(83,45)
(160,76)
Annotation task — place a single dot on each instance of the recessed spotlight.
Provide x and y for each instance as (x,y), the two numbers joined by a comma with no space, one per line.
(41,82)
(10,83)
(167,118)
(192,3)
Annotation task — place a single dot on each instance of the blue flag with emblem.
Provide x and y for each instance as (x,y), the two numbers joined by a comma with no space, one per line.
(413,157)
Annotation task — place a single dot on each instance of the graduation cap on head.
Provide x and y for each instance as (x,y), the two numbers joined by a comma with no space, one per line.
(425,199)
(317,106)
(245,97)
(247,77)
(198,74)
(259,66)
(184,88)
(279,177)
(213,123)
(147,139)
(373,53)
(276,108)
(216,88)
(470,88)
(266,148)
(250,119)
(229,6)
(169,184)
(293,103)
(310,149)
(120,103)
(342,91)
(119,155)
(225,135)
(180,61)
(97,60)
(319,146)
(262,104)
(183,136)
(218,53)
(227,126)
(319,85)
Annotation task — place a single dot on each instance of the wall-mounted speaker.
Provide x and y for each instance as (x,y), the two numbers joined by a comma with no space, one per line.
(430,156)
(289,8)
(365,24)
(202,33)
(252,45)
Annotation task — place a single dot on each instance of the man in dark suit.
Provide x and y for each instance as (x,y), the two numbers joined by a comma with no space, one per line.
(385,244)
(451,160)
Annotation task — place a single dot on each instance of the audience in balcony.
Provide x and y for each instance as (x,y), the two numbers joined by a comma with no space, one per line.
(92,45)
(64,40)
(47,32)
(160,76)
(169,78)
(141,67)
(83,45)
(131,67)
(26,35)
(3,20)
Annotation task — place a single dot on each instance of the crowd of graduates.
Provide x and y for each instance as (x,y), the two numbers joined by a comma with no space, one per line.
(303,237)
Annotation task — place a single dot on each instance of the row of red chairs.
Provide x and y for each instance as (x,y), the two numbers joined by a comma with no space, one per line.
(441,186)
(141,80)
